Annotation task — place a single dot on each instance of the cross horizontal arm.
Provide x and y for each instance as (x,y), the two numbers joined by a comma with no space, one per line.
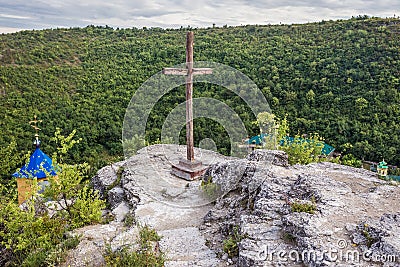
(200,71)
(196,71)
(174,71)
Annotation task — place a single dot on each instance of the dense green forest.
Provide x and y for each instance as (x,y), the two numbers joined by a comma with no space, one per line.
(337,78)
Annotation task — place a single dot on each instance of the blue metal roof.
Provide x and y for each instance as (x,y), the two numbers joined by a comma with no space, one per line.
(38,162)
(258,140)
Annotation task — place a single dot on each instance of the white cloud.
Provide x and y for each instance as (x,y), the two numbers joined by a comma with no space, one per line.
(38,14)
(8,16)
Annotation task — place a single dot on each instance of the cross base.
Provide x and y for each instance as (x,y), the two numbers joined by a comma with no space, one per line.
(188,170)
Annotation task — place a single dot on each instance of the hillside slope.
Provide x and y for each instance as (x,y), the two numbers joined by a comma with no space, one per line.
(339,78)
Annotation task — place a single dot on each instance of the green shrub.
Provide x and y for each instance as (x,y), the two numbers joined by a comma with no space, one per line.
(75,202)
(38,258)
(26,236)
(303,151)
(288,237)
(230,245)
(303,207)
(129,220)
(369,239)
(300,150)
(57,254)
(147,235)
(351,160)
(210,189)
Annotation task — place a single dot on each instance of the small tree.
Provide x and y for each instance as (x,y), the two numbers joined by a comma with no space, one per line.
(283,129)
(268,126)
(74,202)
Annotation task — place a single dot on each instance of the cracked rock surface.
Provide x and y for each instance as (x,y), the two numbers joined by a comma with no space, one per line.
(321,214)
(354,214)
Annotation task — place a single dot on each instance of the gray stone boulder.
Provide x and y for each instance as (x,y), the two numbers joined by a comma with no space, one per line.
(107,178)
(275,157)
(309,212)
(110,185)
(230,175)
(121,211)
(115,196)
(132,192)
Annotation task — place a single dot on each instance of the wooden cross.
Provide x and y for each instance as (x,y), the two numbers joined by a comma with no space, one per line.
(189,71)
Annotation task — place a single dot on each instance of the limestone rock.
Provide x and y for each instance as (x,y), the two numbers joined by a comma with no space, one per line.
(126,238)
(105,178)
(379,238)
(190,250)
(115,196)
(94,238)
(132,193)
(121,211)
(276,157)
(172,206)
(269,226)
(270,208)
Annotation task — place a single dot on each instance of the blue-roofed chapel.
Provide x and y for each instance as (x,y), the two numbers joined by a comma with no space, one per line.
(39,166)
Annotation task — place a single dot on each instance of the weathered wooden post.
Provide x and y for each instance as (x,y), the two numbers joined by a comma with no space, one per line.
(190,168)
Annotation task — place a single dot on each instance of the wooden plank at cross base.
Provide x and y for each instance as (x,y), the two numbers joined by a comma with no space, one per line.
(188,170)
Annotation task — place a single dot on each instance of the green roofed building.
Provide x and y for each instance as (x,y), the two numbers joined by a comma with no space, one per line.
(382,169)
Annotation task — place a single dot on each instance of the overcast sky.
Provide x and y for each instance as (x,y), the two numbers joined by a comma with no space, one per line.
(41,14)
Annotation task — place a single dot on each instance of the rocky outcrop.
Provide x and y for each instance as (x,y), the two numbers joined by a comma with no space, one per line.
(143,186)
(321,214)
(107,182)
(275,157)
(377,238)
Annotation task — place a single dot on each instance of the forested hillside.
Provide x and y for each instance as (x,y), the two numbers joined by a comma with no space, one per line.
(338,78)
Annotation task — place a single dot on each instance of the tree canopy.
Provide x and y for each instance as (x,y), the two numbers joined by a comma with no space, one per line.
(337,78)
